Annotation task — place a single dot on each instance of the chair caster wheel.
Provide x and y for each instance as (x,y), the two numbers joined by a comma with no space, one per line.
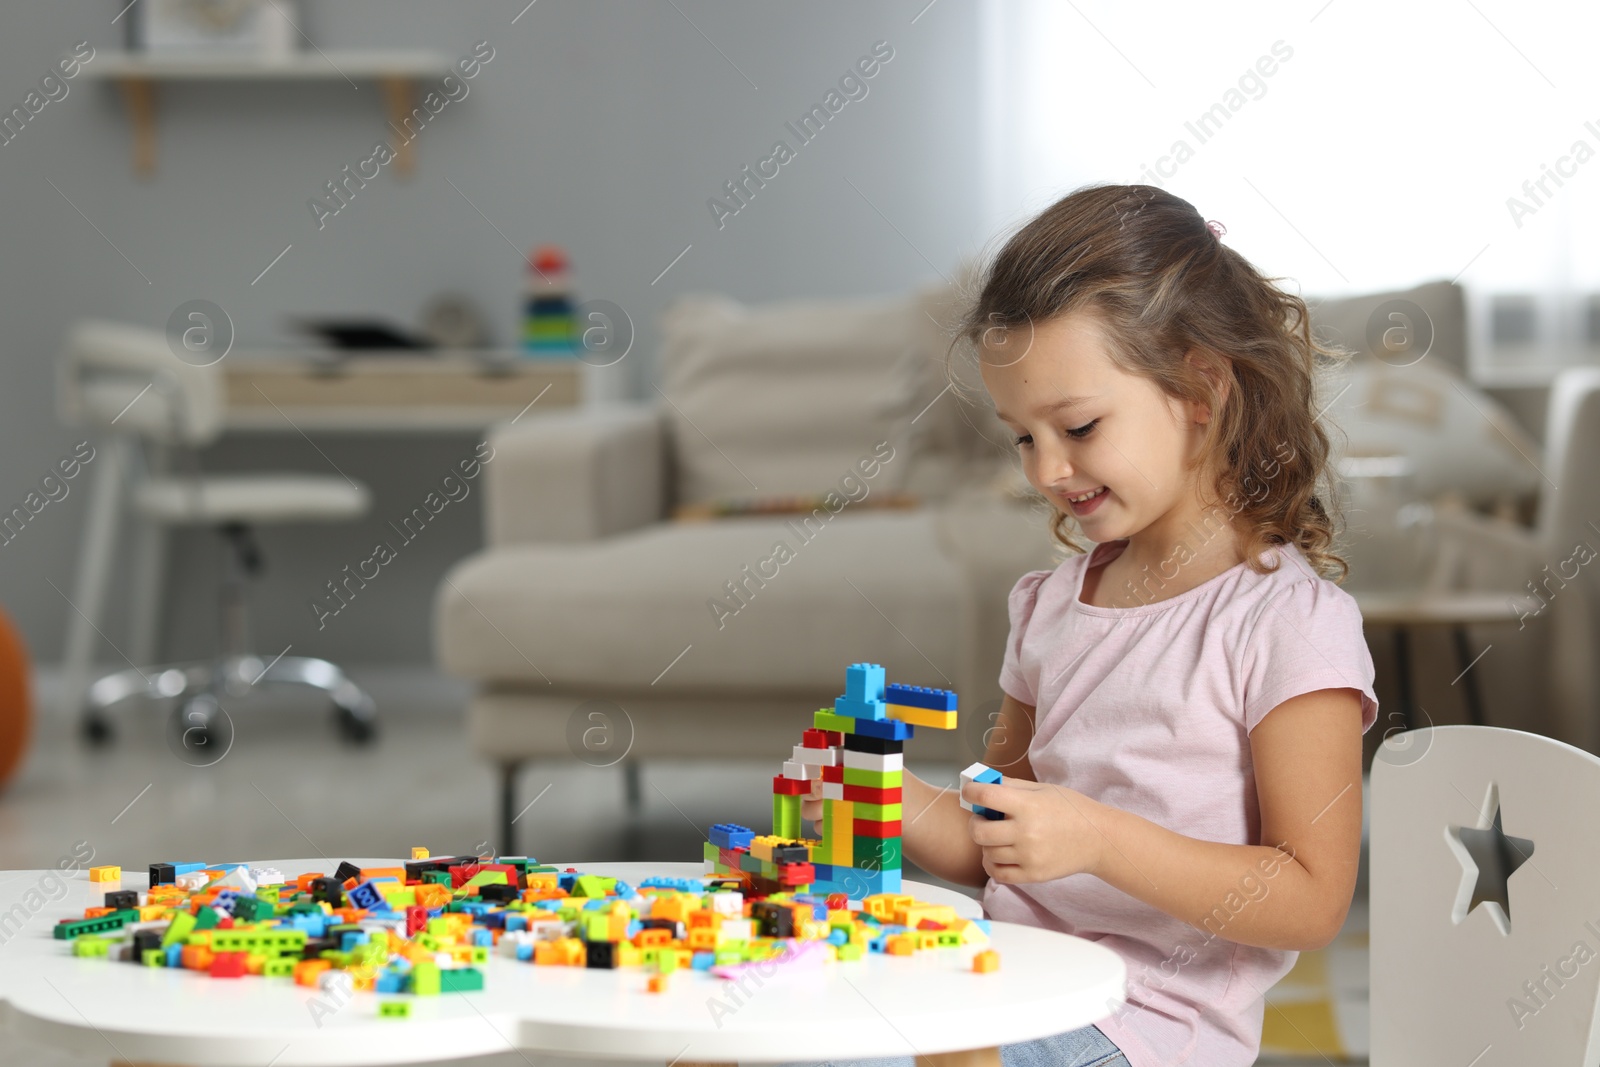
(355,727)
(95,729)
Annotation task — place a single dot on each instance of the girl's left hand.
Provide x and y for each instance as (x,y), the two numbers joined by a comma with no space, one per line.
(1049,831)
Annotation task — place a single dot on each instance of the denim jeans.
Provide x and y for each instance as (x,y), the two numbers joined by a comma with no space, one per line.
(1086,1047)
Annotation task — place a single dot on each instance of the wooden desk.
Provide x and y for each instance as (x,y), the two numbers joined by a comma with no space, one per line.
(384,392)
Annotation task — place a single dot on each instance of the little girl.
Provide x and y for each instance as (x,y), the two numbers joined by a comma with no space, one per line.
(1181,730)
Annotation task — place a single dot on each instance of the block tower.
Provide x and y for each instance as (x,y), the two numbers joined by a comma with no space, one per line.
(857,751)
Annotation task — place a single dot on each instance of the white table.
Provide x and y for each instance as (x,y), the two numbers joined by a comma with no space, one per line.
(930,1004)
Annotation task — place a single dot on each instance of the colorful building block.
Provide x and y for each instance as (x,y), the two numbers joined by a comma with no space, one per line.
(105,874)
(978,772)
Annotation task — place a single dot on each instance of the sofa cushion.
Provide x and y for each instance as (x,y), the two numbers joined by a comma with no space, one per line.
(1353,322)
(867,586)
(787,397)
(1459,439)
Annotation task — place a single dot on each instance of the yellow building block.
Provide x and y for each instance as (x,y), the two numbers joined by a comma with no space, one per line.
(105,874)
(418,853)
(934,720)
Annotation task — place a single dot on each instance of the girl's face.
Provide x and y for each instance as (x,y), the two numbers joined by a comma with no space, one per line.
(1107,447)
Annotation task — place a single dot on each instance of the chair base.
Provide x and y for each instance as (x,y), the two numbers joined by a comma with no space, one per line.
(233,676)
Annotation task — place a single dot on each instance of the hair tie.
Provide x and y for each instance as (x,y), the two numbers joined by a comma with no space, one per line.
(1217,229)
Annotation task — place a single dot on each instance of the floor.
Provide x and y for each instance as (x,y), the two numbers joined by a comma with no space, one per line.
(287,788)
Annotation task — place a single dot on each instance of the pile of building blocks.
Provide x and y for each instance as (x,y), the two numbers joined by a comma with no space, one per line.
(979,772)
(429,926)
(855,752)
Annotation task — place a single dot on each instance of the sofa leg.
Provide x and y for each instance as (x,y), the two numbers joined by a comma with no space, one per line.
(631,790)
(508,805)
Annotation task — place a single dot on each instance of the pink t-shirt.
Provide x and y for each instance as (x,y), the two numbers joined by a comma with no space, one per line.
(1149,709)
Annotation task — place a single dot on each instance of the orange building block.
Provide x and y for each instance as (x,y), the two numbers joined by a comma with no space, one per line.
(307,972)
(986,962)
(199,957)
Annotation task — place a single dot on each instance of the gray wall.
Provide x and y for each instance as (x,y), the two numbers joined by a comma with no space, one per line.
(601,126)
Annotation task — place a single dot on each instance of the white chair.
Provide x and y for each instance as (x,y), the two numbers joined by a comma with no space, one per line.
(127,383)
(1485,931)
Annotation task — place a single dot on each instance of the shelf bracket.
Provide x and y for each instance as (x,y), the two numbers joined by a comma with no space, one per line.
(140,96)
(397,100)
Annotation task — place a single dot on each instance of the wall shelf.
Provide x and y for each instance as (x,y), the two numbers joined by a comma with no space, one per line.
(136,75)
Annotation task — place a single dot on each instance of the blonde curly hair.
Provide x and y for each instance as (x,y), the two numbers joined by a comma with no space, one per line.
(1160,283)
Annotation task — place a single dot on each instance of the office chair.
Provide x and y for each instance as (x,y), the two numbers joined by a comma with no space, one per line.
(127,382)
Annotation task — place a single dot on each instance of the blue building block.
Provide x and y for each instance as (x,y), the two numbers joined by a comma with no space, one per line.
(366,896)
(864,681)
(389,982)
(731,835)
(682,885)
(884,729)
(916,696)
(351,938)
(702,961)
(525,951)
(987,775)
(185,868)
(863,693)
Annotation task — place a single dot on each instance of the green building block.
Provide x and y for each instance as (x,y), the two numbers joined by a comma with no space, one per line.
(394,1009)
(280,967)
(785,816)
(91,946)
(181,926)
(592,885)
(425,980)
(153,957)
(851,950)
(827,720)
(435,877)
(207,918)
(66,931)
(486,878)
(460,980)
(876,812)
(874,779)
(877,853)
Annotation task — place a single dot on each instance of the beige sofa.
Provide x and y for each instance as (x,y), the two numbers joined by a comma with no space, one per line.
(599,627)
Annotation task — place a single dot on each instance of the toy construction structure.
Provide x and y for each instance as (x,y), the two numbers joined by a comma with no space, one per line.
(856,752)
(429,925)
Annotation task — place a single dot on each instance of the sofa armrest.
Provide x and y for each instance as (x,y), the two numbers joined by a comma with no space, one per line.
(575,475)
(1475,553)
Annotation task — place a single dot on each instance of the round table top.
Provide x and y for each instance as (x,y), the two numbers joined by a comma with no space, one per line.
(881,1005)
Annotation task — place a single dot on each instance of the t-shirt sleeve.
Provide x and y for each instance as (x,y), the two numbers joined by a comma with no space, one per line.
(1308,637)
(1024,595)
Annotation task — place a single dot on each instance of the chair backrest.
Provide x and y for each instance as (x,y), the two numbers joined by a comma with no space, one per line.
(1455,981)
(126,378)
(1572,444)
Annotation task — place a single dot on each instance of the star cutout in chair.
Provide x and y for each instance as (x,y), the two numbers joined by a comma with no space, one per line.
(1489,857)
